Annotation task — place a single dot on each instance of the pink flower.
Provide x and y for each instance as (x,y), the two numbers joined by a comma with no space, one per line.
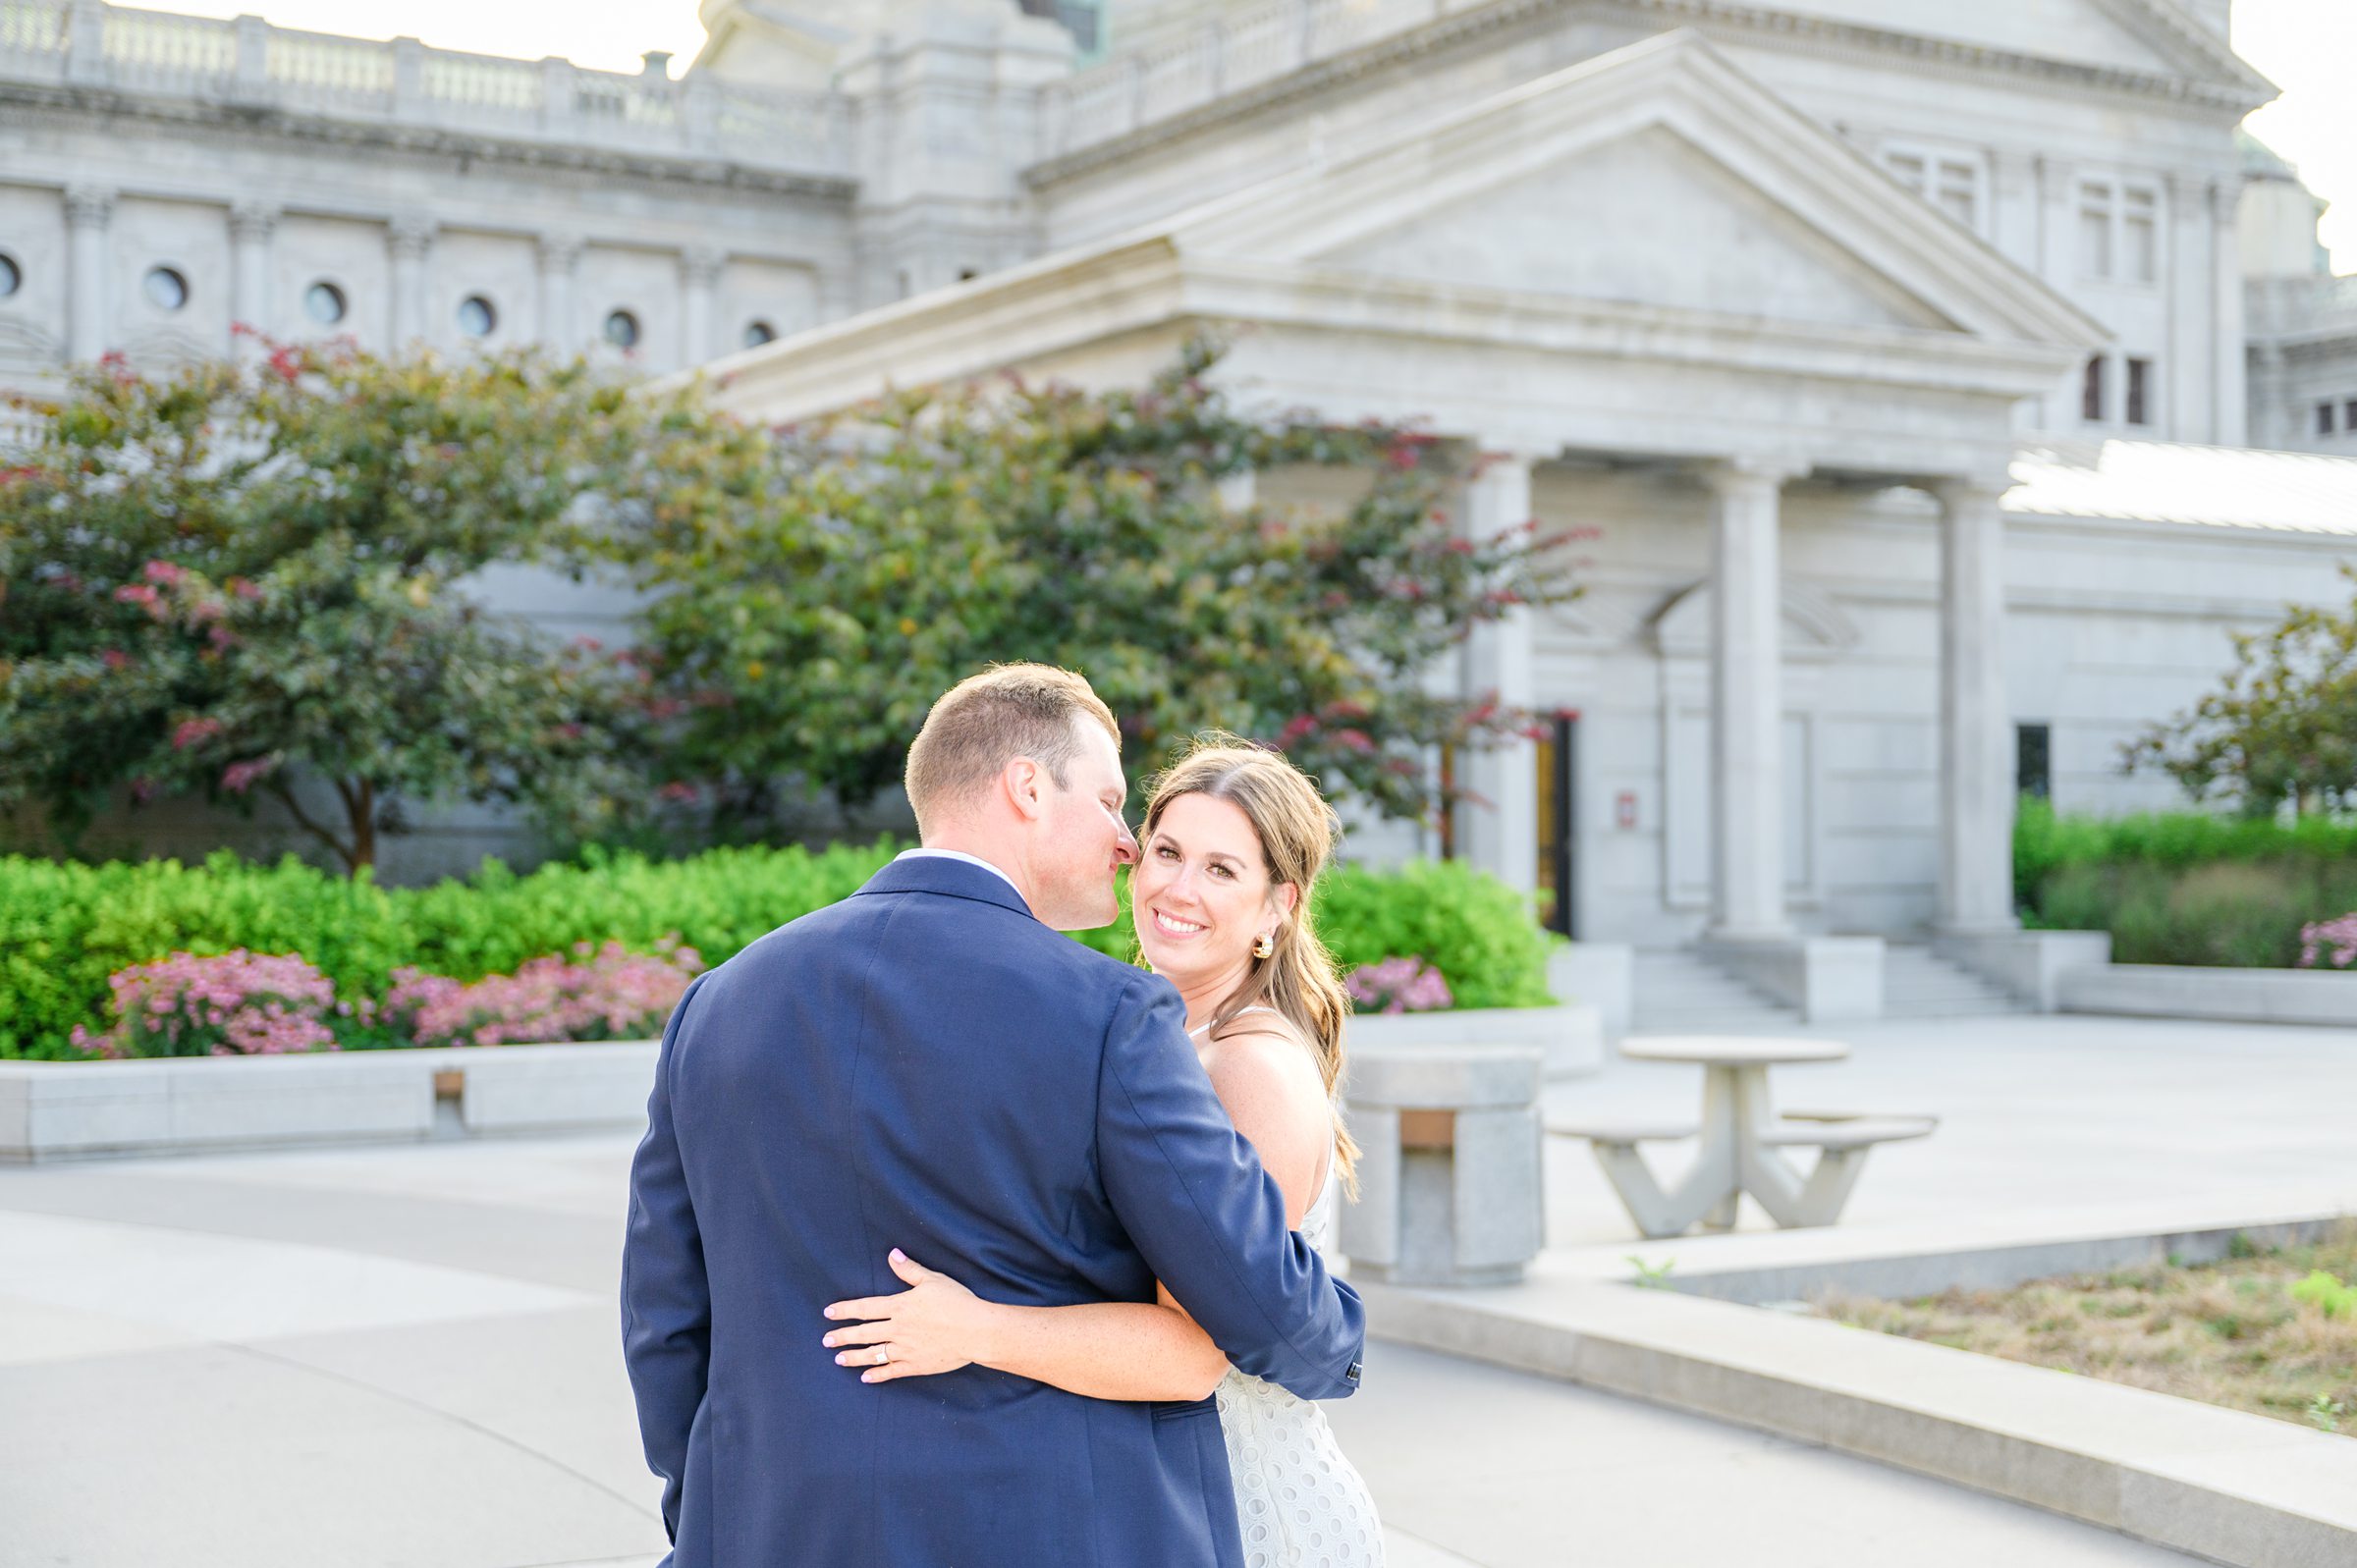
(116,659)
(194,731)
(234,1003)
(240,777)
(164,573)
(1398,984)
(606,994)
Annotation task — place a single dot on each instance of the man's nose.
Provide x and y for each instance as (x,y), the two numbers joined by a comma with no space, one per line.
(1125,851)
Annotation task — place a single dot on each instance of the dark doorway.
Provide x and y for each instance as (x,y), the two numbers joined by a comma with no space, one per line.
(2033,761)
(1557,751)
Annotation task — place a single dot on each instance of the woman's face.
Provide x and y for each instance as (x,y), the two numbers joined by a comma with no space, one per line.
(1201,892)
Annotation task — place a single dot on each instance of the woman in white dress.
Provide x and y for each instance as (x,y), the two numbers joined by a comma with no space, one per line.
(1234,840)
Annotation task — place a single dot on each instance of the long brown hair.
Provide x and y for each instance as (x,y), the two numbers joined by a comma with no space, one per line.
(1297,831)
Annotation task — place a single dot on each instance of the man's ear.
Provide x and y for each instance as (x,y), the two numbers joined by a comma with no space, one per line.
(1025,783)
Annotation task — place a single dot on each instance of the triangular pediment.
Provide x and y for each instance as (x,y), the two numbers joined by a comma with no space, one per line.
(2154,37)
(1658,175)
(1645,218)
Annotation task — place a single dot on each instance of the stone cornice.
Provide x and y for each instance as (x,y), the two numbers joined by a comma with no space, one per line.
(1717,19)
(73,108)
(1219,288)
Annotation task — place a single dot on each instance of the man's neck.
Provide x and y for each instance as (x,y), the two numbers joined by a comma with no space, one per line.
(995,855)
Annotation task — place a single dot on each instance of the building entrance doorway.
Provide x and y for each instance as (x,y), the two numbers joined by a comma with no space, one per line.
(1558,754)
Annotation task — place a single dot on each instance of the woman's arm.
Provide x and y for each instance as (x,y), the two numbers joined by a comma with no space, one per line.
(1110,1349)
(1104,1349)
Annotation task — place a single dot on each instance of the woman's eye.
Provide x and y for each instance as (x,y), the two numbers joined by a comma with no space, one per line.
(1224,872)
(1166,851)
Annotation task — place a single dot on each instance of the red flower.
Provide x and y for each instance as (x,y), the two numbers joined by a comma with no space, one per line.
(116,659)
(240,777)
(1295,728)
(194,731)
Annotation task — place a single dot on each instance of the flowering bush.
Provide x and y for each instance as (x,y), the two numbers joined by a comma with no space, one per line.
(603,993)
(2338,934)
(232,1004)
(1398,984)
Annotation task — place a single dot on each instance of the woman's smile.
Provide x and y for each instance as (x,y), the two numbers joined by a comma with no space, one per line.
(1176,929)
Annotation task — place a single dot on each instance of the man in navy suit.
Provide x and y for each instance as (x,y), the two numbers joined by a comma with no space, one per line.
(928,1064)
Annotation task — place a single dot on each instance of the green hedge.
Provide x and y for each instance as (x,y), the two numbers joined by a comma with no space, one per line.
(2185,887)
(65,927)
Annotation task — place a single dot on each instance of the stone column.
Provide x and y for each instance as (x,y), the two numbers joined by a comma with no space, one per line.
(2057,221)
(249,227)
(2230,412)
(699,285)
(1500,832)
(1747,707)
(2058,264)
(88,278)
(1975,742)
(2191,344)
(408,240)
(559,255)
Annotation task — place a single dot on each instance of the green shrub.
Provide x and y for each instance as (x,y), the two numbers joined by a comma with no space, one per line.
(2185,887)
(64,928)
(1471,927)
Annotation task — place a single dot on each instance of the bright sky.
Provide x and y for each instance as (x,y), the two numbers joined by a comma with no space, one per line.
(2307,47)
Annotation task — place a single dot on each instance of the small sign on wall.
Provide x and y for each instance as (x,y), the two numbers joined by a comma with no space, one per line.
(1624,810)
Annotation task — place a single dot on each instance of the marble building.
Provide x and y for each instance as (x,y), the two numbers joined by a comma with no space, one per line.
(1910,357)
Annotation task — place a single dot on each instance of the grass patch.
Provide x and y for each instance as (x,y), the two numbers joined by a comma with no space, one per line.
(2270,1330)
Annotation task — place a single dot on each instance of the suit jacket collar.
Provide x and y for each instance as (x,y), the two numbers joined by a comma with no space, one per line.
(952,878)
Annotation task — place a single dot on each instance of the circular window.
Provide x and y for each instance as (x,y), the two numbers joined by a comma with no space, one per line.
(476,318)
(324,303)
(10,280)
(166,289)
(758,333)
(621,330)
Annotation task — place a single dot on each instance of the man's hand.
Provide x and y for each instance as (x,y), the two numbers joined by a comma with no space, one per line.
(935,1326)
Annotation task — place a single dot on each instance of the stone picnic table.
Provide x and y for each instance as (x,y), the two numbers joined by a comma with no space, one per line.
(1742,1139)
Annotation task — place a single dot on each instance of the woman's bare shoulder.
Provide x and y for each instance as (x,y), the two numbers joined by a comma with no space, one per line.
(1265,1055)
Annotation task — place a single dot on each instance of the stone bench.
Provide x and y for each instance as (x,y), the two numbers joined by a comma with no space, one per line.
(1450,1187)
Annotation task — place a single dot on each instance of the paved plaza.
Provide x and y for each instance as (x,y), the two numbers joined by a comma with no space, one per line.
(410,1355)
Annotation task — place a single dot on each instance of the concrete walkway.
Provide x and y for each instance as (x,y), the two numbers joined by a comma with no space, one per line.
(410,1356)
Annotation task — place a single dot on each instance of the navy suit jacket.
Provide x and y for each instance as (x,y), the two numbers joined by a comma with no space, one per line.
(924,1065)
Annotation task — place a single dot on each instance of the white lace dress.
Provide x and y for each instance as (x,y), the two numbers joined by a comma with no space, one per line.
(1300,1502)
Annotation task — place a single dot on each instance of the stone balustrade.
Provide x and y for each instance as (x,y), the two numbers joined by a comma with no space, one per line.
(88,45)
(1242,50)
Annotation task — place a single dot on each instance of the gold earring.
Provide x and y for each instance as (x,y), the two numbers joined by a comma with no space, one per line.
(1262,947)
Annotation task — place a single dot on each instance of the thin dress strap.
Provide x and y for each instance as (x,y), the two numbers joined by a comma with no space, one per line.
(1243,1012)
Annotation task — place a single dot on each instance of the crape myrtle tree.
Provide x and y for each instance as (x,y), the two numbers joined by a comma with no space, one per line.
(910,542)
(250,580)
(2280,729)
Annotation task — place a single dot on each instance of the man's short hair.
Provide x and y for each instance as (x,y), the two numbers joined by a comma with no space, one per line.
(987,720)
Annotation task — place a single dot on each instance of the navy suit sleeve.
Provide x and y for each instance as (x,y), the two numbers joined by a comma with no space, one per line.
(1205,1216)
(666,1300)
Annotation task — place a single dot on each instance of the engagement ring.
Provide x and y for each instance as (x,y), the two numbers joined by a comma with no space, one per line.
(882,1355)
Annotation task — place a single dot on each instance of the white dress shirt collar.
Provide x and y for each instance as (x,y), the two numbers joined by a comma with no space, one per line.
(959,854)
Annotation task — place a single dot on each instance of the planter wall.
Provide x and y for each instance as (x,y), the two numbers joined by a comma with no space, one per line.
(79,1110)
(2228,995)
(84,1110)
(1569,1039)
